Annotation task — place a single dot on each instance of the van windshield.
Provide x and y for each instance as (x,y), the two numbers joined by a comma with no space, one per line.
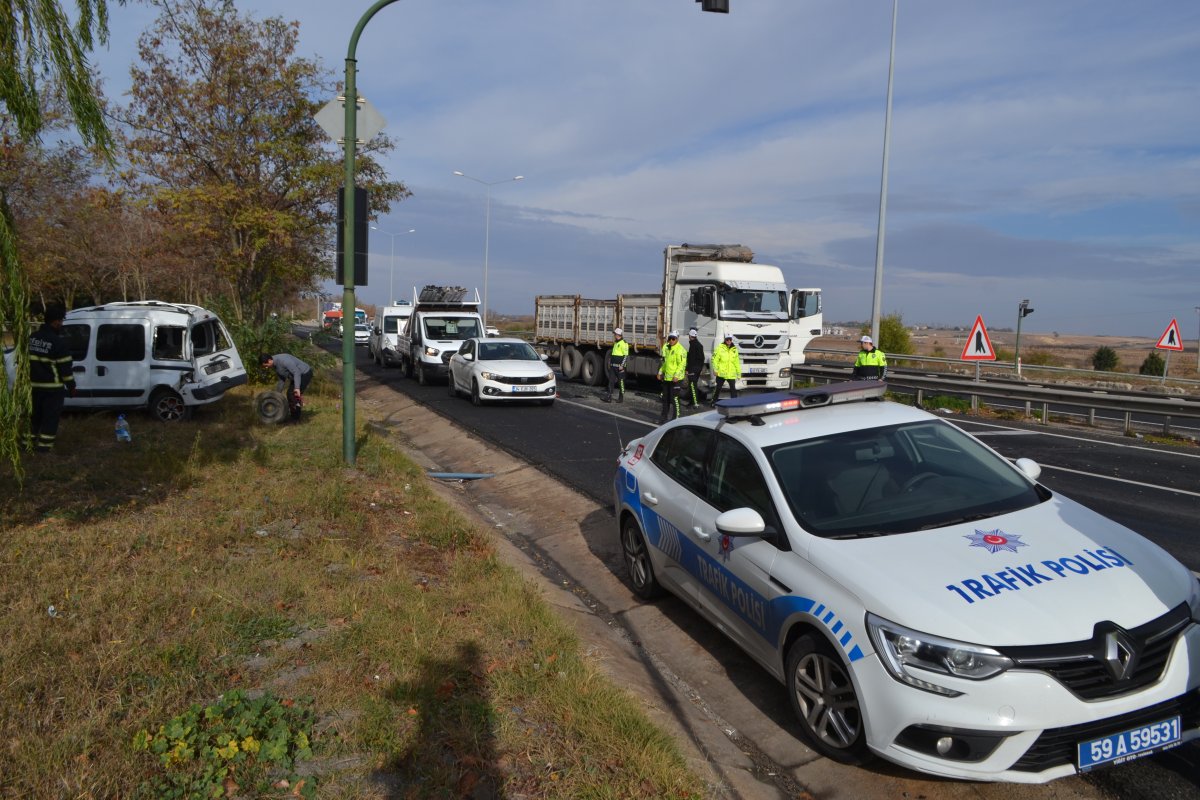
(455,328)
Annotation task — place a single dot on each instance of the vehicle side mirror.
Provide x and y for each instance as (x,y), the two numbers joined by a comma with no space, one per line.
(468,356)
(544,356)
(378,331)
(1029,468)
(741,522)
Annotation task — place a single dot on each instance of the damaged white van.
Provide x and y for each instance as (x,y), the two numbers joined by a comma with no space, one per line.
(167,357)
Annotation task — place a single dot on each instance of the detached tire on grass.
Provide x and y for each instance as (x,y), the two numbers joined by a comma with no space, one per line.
(271,407)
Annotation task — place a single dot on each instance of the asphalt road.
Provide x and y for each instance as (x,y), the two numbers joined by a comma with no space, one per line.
(1150,488)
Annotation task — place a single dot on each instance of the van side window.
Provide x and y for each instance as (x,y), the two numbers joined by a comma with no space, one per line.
(120,342)
(78,338)
(168,343)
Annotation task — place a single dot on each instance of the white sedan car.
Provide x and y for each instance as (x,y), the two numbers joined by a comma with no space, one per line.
(489,369)
(922,599)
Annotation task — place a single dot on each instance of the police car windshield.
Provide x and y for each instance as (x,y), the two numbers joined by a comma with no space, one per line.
(896,479)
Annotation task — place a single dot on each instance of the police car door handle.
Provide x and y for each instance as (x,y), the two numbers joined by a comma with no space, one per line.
(704,537)
(649,498)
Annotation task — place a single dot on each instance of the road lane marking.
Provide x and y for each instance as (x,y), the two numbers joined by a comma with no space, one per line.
(1121,480)
(1004,430)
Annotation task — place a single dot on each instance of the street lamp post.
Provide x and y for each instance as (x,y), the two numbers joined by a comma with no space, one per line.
(392,262)
(877,298)
(1198,340)
(1023,310)
(487,228)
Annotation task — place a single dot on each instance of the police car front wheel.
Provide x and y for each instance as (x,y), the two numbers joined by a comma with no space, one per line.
(823,697)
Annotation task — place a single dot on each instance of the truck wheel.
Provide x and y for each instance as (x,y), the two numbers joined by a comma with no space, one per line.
(570,360)
(592,372)
(167,406)
(271,407)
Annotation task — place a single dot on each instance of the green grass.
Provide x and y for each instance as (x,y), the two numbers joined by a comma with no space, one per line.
(220,555)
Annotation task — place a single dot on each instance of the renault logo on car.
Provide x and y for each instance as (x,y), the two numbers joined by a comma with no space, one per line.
(1120,654)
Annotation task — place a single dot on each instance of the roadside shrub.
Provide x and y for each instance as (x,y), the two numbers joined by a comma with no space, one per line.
(1153,365)
(894,338)
(1042,358)
(957,404)
(1105,359)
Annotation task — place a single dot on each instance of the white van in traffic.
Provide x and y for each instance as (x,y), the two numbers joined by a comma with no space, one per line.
(168,357)
(388,323)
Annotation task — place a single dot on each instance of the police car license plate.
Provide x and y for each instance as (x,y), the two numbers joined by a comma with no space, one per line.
(1130,744)
(522,389)
(756,370)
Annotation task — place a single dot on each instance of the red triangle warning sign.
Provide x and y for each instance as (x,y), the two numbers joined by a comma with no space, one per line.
(1170,340)
(979,345)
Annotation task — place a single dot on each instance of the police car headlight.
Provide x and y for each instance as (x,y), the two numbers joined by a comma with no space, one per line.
(914,658)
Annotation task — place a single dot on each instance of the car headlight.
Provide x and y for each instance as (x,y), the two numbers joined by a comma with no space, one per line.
(488,376)
(432,351)
(912,657)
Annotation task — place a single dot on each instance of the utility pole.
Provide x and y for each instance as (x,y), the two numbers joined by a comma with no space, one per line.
(1023,310)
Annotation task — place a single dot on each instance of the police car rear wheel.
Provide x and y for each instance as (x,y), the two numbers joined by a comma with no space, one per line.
(637,559)
(823,697)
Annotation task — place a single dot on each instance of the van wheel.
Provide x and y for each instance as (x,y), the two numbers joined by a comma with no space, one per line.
(422,375)
(823,698)
(167,406)
(569,361)
(271,407)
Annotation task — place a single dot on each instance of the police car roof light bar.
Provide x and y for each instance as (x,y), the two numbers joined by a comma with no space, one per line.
(778,402)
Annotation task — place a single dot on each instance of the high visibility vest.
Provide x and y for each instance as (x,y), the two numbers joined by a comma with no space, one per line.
(49,360)
(619,352)
(726,363)
(875,358)
(674,362)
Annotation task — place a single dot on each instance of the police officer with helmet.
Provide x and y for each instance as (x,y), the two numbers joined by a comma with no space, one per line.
(871,363)
(618,356)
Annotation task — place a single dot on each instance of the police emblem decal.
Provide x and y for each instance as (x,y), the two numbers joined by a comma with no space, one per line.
(995,541)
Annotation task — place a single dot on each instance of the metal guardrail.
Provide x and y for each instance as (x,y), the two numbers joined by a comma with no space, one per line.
(1010,369)
(1043,396)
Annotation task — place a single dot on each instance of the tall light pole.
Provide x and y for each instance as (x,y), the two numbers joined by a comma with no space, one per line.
(392,263)
(487,228)
(1023,311)
(877,300)
(1198,340)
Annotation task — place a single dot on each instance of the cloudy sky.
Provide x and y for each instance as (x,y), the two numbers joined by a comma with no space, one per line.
(1041,150)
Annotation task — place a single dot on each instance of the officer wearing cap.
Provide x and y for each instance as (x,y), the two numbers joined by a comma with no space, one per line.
(695,367)
(618,355)
(726,366)
(51,377)
(672,372)
(871,363)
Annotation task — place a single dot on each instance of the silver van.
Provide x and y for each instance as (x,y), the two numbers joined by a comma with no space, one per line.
(167,357)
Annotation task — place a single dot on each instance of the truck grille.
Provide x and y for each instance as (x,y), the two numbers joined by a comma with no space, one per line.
(750,344)
(1083,667)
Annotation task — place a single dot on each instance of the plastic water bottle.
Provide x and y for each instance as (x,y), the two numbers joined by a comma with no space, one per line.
(123,434)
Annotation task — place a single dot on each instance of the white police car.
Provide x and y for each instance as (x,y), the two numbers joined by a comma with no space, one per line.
(922,599)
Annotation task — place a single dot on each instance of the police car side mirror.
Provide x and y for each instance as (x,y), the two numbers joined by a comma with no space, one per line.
(1030,468)
(741,522)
